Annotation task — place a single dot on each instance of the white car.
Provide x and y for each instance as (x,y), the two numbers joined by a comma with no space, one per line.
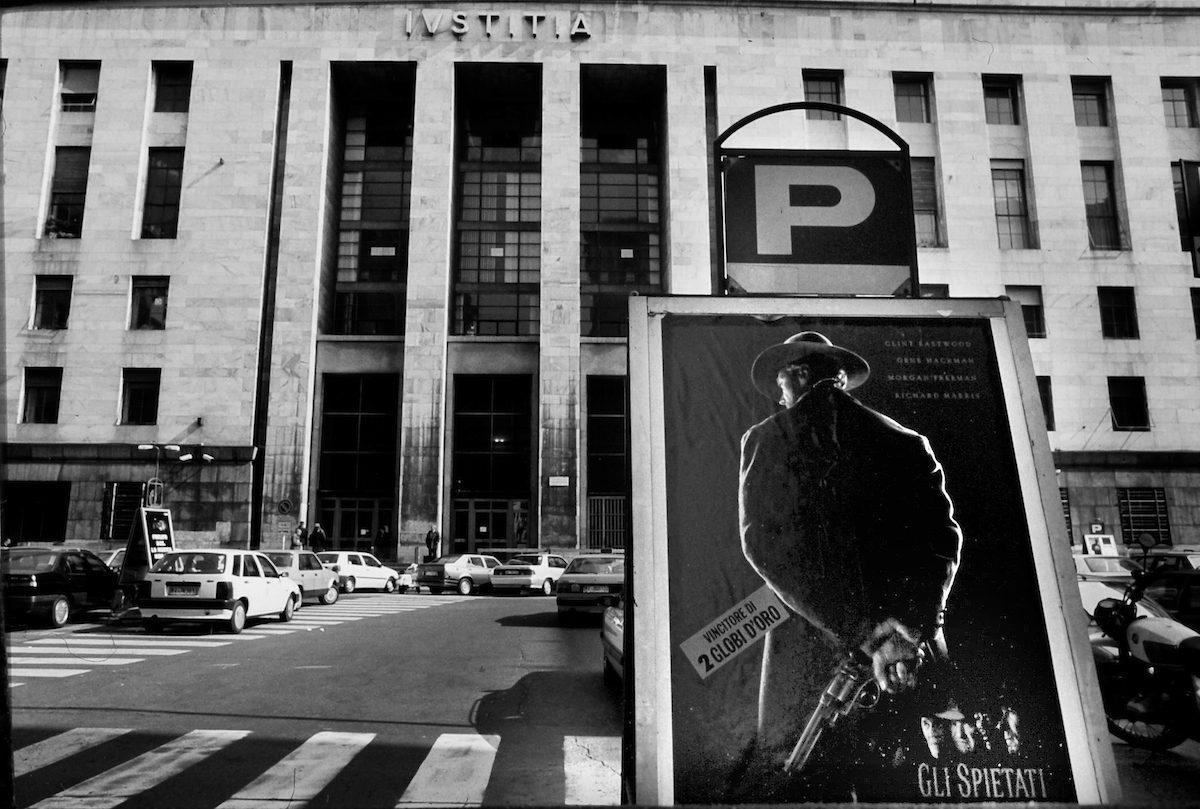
(304,568)
(217,585)
(464,572)
(357,570)
(529,572)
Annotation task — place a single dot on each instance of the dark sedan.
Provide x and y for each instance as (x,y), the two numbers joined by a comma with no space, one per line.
(1178,591)
(55,583)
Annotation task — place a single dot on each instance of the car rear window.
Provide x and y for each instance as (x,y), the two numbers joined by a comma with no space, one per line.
(182,564)
(30,561)
(524,560)
(600,564)
(1110,564)
(281,559)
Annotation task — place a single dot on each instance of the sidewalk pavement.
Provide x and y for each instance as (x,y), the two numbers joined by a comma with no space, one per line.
(1159,779)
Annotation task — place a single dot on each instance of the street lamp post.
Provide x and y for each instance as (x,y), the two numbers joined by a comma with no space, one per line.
(154,486)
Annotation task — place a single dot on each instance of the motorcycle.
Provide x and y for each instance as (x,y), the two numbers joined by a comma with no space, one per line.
(1148,667)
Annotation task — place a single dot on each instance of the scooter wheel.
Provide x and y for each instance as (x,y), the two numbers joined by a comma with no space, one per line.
(1148,735)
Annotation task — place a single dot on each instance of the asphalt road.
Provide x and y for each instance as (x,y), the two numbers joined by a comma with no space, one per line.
(360,704)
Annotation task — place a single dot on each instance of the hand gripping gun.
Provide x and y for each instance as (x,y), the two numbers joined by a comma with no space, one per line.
(852,686)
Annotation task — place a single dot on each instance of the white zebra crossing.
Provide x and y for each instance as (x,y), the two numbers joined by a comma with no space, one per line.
(77,652)
(455,771)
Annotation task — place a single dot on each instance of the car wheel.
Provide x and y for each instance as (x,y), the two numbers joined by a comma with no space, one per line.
(152,625)
(60,611)
(331,595)
(435,591)
(289,610)
(390,587)
(465,586)
(547,587)
(237,621)
(402,589)
(348,587)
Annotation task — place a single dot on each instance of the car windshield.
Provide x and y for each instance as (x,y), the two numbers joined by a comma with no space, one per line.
(524,560)
(282,559)
(30,561)
(595,564)
(328,557)
(1110,564)
(183,563)
(445,560)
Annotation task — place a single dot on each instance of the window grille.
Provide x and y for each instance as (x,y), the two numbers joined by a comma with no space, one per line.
(1143,510)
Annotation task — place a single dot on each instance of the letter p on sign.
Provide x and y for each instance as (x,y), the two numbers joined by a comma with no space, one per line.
(807,196)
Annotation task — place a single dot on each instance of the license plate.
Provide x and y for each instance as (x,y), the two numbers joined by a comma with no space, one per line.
(592,588)
(510,573)
(183,589)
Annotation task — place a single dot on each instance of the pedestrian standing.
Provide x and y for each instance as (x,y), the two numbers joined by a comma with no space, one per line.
(317,540)
(432,538)
(298,536)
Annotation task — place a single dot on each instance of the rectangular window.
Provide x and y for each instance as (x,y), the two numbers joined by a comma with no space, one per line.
(43,389)
(52,301)
(1001,99)
(121,502)
(498,267)
(620,177)
(359,418)
(373,227)
(1143,510)
(68,188)
(826,86)
(1046,394)
(172,86)
(926,215)
(1012,210)
(1179,102)
(1099,198)
(1127,401)
(139,395)
(1091,101)
(1030,298)
(1118,313)
(1181,208)
(607,461)
(148,309)
(1064,497)
(911,91)
(934,291)
(35,511)
(80,86)
(1196,311)
(493,435)
(164,182)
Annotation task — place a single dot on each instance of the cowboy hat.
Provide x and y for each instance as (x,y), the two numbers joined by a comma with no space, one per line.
(796,348)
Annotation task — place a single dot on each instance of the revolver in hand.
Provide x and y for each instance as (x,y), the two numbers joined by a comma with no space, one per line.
(852,686)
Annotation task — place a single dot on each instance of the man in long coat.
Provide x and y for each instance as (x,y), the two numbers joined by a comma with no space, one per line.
(844,513)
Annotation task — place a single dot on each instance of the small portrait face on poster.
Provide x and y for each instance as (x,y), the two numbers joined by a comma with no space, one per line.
(853,603)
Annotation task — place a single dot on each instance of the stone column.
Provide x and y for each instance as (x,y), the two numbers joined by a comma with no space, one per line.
(558,362)
(422,418)
(689,265)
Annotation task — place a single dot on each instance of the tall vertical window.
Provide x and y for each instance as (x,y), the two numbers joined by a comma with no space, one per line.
(359,418)
(911,91)
(139,395)
(1143,510)
(172,86)
(1127,401)
(148,309)
(52,301)
(1090,96)
(1064,497)
(1002,99)
(1099,198)
(1181,208)
(80,86)
(498,261)
(607,461)
(826,86)
(372,262)
(1046,394)
(926,216)
(68,189)
(1118,313)
(1032,310)
(493,435)
(1179,102)
(1196,311)
(1012,210)
(43,389)
(164,182)
(620,217)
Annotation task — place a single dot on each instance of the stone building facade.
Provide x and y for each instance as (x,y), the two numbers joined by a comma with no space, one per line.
(365,263)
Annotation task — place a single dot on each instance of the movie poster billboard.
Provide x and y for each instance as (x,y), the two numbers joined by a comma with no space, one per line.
(892,503)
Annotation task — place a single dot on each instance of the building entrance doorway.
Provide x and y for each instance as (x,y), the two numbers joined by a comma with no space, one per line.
(354,523)
(490,526)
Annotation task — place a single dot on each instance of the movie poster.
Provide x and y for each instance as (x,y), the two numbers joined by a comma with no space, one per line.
(895,499)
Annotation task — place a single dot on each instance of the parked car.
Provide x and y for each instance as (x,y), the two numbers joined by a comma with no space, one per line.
(529,572)
(464,572)
(1172,560)
(1178,591)
(114,559)
(612,642)
(357,570)
(55,583)
(305,568)
(590,582)
(216,585)
(1105,568)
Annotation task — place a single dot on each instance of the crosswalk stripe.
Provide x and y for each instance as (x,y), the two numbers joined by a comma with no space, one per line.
(56,748)
(140,641)
(303,773)
(15,673)
(455,773)
(54,661)
(148,770)
(89,653)
(592,765)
